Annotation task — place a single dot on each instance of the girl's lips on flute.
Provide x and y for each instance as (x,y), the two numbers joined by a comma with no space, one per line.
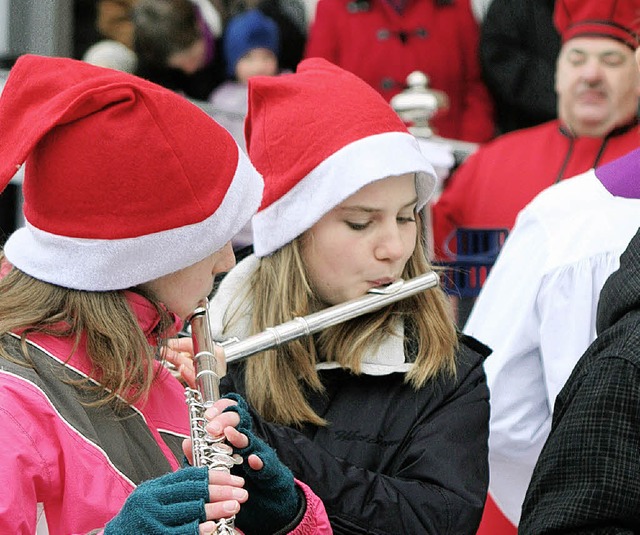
(382,282)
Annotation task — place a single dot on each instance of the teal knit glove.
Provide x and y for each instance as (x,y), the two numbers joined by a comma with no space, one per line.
(173,503)
(274,501)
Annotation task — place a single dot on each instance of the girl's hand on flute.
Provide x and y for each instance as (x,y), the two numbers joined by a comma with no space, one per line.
(225,422)
(276,500)
(178,502)
(179,354)
(226,492)
(225,497)
(220,423)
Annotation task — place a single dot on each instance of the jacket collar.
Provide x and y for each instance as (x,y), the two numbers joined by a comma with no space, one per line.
(148,317)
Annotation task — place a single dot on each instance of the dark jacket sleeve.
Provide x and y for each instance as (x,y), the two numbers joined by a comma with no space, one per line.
(587,478)
(439,478)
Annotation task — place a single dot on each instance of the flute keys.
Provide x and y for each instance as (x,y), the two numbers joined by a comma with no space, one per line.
(222,461)
(222,447)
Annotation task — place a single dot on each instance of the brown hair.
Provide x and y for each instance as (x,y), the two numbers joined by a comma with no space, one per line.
(162,28)
(116,345)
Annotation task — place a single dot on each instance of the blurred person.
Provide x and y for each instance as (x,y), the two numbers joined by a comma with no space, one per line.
(587,476)
(250,44)
(383,41)
(121,243)
(519,47)
(114,47)
(176,48)
(598,88)
(385,414)
(114,22)
(597,84)
(114,18)
(291,19)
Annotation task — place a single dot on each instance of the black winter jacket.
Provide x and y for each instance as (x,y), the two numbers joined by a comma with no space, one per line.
(393,460)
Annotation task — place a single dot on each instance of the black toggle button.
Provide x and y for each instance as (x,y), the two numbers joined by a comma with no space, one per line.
(358,6)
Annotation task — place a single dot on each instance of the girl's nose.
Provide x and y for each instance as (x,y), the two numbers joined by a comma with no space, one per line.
(390,245)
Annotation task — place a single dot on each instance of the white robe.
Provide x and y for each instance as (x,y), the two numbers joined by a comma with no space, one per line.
(537,311)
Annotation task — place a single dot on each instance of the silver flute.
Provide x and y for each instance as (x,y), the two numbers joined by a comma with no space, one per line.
(209,451)
(213,452)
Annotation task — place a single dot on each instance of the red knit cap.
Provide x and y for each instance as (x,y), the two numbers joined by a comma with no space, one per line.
(616,19)
(317,137)
(125,181)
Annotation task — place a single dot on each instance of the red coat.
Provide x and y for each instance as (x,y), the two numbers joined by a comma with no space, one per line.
(438,37)
(502,177)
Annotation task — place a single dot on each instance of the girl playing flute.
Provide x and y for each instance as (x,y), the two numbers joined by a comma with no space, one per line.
(384,416)
(132,196)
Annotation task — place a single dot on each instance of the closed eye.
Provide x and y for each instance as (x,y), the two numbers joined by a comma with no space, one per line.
(577,58)
(357,226)
(612,59)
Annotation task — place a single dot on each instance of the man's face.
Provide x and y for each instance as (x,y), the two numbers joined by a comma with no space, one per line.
(598,85)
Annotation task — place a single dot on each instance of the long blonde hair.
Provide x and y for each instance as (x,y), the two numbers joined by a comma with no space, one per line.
(120,354)
(280,290)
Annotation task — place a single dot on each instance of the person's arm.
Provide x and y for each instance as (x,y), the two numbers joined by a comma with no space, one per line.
(437,484)
(20,466)
(315,520)
(587,477)
(567,304)
(182,502)
(29,455)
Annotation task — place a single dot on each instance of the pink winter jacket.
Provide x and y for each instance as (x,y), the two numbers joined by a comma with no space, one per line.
(71,467)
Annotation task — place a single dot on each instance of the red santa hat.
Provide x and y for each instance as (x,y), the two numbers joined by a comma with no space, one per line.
(317,137)
(124,182)
(616,19)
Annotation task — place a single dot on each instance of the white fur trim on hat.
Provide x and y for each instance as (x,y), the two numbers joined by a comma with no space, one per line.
(337,178)
(113,264)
